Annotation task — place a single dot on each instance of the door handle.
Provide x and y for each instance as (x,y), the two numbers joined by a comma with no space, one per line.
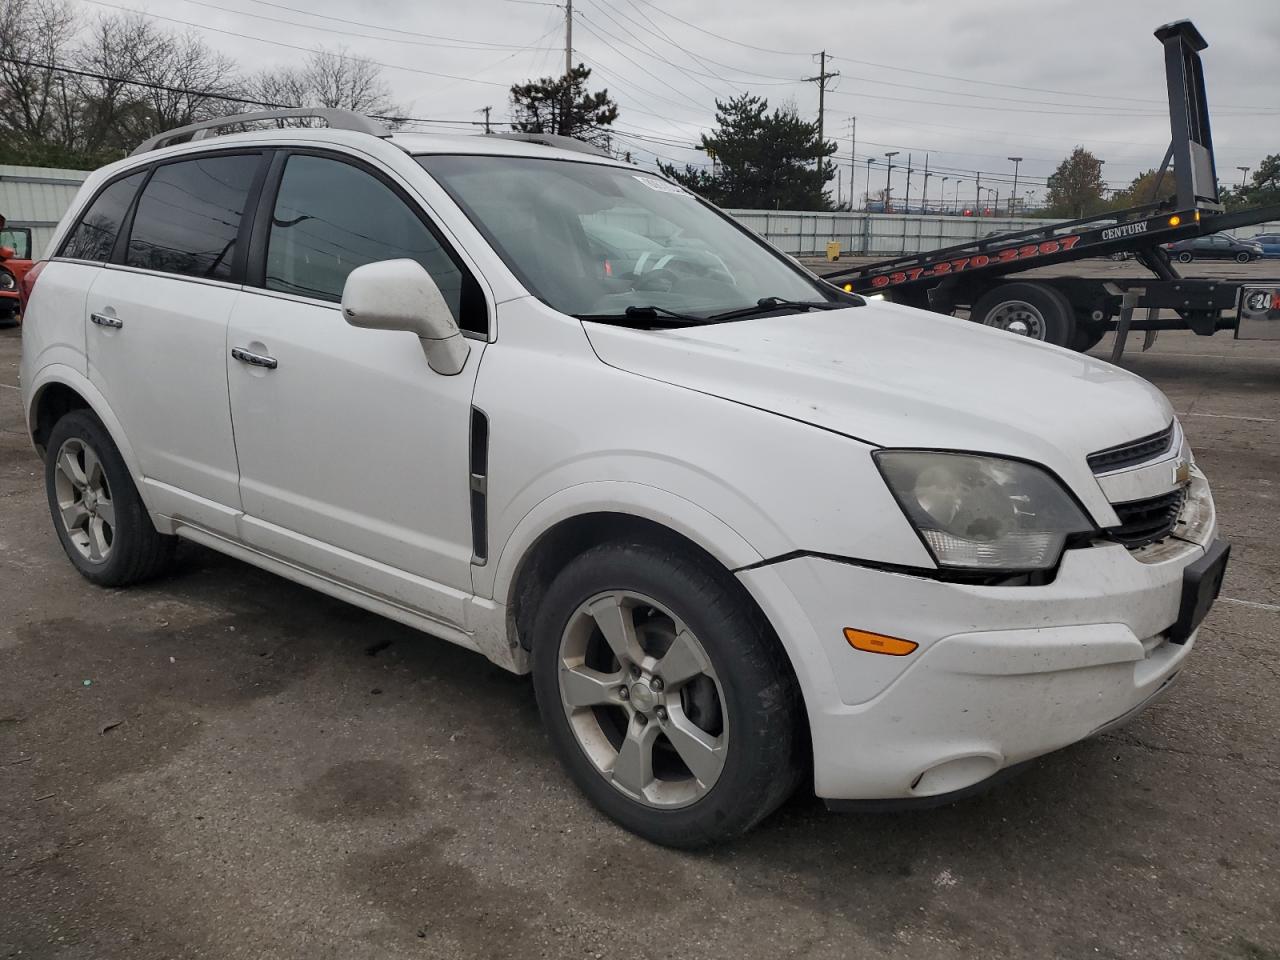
(106,320)
(253,359)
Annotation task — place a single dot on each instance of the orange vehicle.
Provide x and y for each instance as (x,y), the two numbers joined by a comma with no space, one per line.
(15,261)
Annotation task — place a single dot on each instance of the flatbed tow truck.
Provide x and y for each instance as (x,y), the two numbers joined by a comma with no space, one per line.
(1077,311)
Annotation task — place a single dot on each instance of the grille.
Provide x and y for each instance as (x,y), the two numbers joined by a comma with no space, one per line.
(1149,520)
(1131,453)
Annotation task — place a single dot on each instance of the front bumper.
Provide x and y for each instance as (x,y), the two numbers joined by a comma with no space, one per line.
(1002,674)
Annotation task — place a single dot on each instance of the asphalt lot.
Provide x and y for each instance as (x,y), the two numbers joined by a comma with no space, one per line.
(225,765)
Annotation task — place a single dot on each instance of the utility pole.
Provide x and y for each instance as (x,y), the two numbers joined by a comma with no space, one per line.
(906,194)
(485,111)
(1014,197)
(566,108)
(821,80)
(888,179)
(924,196)
(978,193)
(853,149)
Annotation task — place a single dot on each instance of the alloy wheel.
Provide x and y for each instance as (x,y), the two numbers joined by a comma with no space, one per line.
(85,507)
(643,700)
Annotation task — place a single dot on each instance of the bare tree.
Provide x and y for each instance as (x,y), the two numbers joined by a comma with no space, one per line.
(39,32)
(328,78)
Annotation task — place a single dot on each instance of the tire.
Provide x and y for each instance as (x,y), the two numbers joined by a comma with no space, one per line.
(107,533)
(1088,335)
(744,700)
(1043,311)
(1243,258)
(1185,256)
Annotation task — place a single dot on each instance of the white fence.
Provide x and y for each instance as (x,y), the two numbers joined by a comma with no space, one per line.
(877,234)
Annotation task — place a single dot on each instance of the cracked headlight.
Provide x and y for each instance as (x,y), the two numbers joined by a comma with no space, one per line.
(983,513)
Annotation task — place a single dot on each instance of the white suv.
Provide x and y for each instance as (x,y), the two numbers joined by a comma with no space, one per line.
(742,527)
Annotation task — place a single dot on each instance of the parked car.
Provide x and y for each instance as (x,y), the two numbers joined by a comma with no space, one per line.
(1219,246)
(1270,243)
(745,530)
(15,261)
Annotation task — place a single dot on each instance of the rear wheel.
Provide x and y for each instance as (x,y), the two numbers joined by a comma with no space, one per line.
(665,694)
(1185,256)
(1032,310)
(104,528)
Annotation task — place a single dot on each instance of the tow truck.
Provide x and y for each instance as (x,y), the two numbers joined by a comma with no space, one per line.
(1077,311)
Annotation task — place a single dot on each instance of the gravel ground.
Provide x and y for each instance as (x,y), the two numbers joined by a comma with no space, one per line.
(225,765)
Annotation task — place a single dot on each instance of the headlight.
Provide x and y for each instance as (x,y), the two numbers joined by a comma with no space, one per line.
(983,513)
(7,282)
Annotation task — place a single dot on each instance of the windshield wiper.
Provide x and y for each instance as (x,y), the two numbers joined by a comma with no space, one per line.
(770,304)
(647,316)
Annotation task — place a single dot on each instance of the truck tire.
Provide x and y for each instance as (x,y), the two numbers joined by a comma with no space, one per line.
(1033,310)
(1088,335)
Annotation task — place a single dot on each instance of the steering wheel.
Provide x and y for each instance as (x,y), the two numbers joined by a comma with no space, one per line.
(661,280)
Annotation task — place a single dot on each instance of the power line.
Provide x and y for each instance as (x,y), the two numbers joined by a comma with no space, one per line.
(290,46)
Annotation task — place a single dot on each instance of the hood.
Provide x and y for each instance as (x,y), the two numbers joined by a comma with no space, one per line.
(899,377)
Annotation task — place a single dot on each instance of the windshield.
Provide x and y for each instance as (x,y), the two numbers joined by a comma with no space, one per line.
(593,240)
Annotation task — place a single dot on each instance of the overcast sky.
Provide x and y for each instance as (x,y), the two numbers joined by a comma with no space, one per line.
(969,83)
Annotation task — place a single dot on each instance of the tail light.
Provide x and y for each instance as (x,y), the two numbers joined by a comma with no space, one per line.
(27,285)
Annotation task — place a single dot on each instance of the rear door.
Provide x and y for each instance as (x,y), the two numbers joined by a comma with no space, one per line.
(353,453)
(157,331)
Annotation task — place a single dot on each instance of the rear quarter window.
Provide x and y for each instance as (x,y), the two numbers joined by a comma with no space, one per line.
(94,235)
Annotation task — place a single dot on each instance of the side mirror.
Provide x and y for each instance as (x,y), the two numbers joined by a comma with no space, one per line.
(400,295)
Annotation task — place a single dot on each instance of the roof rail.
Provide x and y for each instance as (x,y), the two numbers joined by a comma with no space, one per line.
(557,140)
(336,119)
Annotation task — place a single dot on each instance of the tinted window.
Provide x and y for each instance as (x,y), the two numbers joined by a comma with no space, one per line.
(94,236)
(331,217)
(189,216)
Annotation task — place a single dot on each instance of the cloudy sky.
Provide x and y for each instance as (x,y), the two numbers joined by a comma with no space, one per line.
(968,83)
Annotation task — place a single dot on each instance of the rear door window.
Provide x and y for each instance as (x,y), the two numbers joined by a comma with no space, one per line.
(94,235)
(188,219)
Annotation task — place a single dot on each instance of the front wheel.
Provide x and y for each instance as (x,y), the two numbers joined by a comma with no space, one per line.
(1185,257)
(665,694)
(1243,258)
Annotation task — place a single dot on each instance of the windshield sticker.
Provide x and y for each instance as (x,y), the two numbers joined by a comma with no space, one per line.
(662,186)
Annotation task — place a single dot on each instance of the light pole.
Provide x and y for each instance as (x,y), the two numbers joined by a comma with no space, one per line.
(1013,197)
(866,206)
(955,203)
(888,175)
(1244,172)
(942,196)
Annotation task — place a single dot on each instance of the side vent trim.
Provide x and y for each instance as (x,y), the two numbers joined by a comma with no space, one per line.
(479,481)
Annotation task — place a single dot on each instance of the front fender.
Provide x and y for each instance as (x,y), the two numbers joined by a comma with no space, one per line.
(613,496)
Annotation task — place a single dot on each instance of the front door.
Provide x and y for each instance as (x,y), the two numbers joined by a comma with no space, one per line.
(353,453)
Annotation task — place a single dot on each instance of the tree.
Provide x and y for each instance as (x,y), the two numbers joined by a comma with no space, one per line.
(1262,189)
(37,32)
(563,105)
(1075,189)
(327,79)
(765,160)
(1147,187)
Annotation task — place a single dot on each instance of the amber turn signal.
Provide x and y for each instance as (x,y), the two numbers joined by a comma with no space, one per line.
(878,642)
(1175,220)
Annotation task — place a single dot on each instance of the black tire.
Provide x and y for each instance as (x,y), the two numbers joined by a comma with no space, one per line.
(137,550)
(1185,256)
(1243,258)
(764,760)
(1088,335)
(1059,319)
